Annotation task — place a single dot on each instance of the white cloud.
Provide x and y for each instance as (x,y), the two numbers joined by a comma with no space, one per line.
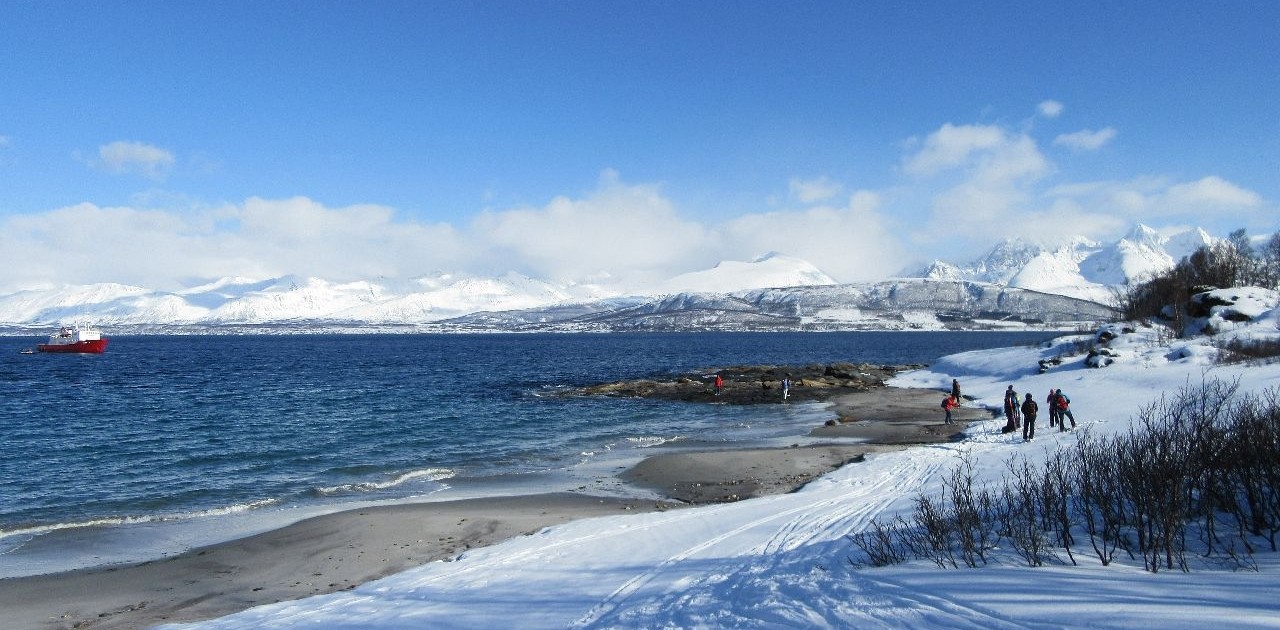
(1211,193)
(135,158)
(1050,109)
(633,232)
(965,186)
(853,242)
(814,190)
(1155,199)
(951,146)
(992,176)
(1086,140)
(260,238)
(629,235)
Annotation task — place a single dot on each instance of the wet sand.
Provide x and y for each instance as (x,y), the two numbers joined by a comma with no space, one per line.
(342,550)
(319,555)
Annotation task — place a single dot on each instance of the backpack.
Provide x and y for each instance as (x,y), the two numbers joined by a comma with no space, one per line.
(1063,401)
(944,402)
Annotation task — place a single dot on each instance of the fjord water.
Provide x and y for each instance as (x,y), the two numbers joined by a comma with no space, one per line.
(164,430)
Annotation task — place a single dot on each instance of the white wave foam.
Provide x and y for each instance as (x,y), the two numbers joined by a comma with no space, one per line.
(650,441)
(113,521)
(429,474)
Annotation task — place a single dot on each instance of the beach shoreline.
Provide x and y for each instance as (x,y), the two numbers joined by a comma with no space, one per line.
(342,550)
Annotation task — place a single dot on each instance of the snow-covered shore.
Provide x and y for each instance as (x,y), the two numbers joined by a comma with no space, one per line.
(784,561)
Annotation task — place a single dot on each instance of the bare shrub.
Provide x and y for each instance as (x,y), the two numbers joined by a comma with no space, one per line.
(929,533)
(881,543)
(1018,513)
(1058,490)
(1243,351)
(1099,500)
(969,508)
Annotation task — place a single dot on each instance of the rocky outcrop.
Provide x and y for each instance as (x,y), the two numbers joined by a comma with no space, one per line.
(753,384)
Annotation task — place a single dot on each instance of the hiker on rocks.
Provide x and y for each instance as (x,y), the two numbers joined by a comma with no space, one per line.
(1029,410)
(1011,411)
(786,386)
(949,403)
(955,389)
(1052,402)
(1064,411)
(719,384)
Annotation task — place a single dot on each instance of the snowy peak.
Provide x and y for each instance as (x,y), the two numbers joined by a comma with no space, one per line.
(1081,268)
(767,271)
(1005,260)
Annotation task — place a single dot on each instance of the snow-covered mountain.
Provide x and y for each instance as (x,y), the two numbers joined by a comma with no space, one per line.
(312,302)
(904,304)
(1016,281)
(771,270)
(1082,268)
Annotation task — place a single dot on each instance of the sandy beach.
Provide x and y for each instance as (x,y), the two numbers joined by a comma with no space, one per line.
(342,550)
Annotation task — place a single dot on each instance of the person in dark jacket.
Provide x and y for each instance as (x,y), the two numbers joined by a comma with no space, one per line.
(1029,410)
(1013,419)
(1052,402)
(955,389)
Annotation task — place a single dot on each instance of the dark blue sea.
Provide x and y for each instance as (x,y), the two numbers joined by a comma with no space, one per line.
(164,443)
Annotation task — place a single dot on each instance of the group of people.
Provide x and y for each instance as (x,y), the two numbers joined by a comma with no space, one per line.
(1023,414)
(952,401)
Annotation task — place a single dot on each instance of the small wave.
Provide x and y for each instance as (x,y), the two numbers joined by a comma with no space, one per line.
(650,441)
(113,521)
(642,441)
(429,474)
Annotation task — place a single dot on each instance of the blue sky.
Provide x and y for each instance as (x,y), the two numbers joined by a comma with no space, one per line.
(616,142)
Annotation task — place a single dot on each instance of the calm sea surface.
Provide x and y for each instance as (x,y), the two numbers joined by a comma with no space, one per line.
(177,440)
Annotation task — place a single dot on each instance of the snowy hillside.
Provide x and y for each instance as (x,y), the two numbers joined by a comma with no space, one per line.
(904,304)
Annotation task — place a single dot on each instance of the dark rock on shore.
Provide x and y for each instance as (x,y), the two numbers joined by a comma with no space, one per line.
(754,384)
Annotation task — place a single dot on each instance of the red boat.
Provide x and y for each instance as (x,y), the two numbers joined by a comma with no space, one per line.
(75,339)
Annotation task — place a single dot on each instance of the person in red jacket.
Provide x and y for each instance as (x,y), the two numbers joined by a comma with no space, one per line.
(949,403)
(1063,405)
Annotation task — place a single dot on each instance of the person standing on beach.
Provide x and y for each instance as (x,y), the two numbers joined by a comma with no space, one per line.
(1012,417)
(949,403)
(1064,411)
(719,384)
(1052,401)
(1029,410)
(786,386)
(955,389)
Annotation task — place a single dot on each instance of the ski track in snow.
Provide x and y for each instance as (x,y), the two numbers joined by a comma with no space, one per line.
(694,589)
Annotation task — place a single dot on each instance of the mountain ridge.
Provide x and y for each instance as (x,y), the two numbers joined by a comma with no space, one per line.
(731,293)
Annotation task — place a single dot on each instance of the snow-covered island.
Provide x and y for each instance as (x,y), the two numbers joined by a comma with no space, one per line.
(790,560)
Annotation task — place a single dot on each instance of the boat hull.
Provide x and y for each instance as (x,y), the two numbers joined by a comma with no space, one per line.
(94,346)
